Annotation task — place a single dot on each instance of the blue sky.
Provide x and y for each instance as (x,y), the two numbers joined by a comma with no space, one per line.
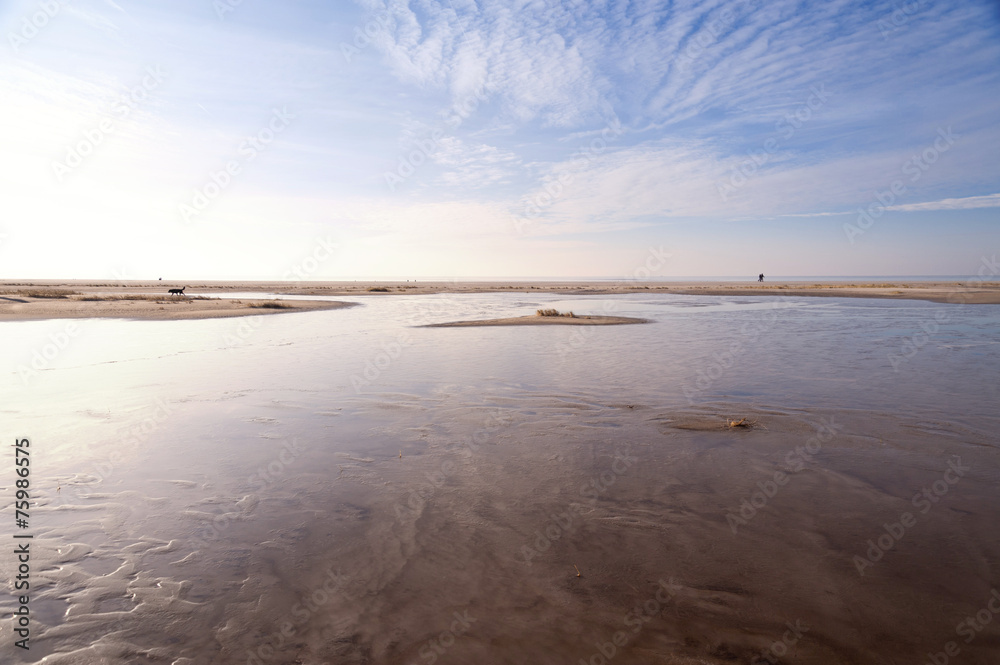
(226,139)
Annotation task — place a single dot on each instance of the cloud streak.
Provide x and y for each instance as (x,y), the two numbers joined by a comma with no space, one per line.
(699,86)
(967,203)
(517,96)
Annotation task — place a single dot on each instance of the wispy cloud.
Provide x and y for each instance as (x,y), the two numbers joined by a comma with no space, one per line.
(533,59)
(475,166)
(518,97)
(699,86)
(658,181)
(966,203)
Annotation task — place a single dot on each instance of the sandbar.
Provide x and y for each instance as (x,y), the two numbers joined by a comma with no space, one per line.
(972,291)
(19,307)
(579,320)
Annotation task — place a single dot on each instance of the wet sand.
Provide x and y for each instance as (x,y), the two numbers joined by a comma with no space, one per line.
(577,320)
(417,544)
(498,533)
(972,291)
(497,518)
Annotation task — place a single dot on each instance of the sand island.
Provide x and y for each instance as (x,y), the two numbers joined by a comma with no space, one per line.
(545,317)
(36,303)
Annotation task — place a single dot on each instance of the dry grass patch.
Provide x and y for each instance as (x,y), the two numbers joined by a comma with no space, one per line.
(43,293)
(269,304)
(554,312)
(744,423)
(140,296)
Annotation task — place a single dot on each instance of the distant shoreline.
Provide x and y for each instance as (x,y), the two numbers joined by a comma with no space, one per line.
(150,300)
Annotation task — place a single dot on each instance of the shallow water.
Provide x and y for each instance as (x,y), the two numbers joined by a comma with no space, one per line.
(357,480)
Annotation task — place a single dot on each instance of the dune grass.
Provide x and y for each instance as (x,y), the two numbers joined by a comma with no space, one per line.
(44,293)
(141,296)
(554,312)
(269,304)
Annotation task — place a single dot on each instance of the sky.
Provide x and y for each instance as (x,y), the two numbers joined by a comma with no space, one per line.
(308,140)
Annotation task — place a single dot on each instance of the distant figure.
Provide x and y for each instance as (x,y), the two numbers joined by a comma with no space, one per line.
(176,292)
(760,278)
(161,279)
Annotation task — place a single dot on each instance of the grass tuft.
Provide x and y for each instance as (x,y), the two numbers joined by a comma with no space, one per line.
(554,312)
(379,289)
(743,423)
(140,296)
(269,304)
(46,293)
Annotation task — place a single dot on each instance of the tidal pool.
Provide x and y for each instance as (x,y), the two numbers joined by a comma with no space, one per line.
(345,486)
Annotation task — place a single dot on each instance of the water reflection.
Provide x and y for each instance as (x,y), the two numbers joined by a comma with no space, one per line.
(186,470)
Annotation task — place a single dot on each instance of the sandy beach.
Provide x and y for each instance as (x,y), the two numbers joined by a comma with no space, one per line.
(16,303)
(25,305)
(353,487)
(322,344)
